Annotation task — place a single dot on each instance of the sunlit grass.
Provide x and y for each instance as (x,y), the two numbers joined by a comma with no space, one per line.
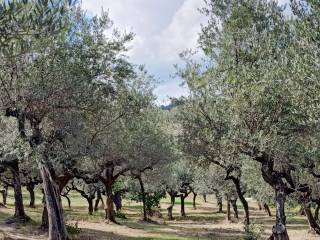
(197,225)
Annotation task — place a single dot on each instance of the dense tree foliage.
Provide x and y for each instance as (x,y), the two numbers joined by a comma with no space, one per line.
(256,97)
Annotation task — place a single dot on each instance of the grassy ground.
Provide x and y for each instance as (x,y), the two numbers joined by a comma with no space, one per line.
(202,223)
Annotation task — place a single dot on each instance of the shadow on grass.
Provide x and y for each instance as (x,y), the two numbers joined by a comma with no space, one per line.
(89,234)
(201,218)
(4,215)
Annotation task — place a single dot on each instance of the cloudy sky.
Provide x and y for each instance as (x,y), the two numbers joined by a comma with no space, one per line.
(163,29)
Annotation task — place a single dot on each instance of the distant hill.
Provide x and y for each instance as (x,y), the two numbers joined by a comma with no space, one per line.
(174,103)
(167,107)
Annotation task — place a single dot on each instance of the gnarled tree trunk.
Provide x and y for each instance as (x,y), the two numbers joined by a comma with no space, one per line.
(109,209)
(194,200)
(57,229)
(117,200)
(301,211)
(30,188)
(68,200)
(243,201)
(4,193)
(235,208)
(267,209)
(275,179)
(279,231)
(19,214)
(312,221)
(44,219)
(316,212)
(183,212)
(145,217)
(170,215)
(228,210)
(219,201)
(90,205)
(172,197)
(305,200)
(98,199)
(108,179)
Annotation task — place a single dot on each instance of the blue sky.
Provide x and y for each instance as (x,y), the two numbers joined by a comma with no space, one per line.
(163,29)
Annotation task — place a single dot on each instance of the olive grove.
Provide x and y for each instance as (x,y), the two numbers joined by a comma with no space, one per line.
(78,117)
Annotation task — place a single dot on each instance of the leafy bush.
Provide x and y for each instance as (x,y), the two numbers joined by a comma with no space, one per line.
(253,232)
(73,229)
(152,200)
(121,215)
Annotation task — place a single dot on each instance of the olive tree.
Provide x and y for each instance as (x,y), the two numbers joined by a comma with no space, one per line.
(62,64)
(267,85)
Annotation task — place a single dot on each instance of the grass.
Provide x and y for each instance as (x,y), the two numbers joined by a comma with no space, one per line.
(200,224)
(164,237)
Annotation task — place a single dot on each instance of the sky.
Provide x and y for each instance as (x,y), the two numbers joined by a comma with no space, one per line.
(163,29)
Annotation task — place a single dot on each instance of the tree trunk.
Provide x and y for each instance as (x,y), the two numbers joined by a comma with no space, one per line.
(145,218)
(30,188)
(301,211)
(99,197)
(235,208)
(205,197)
(108,180)
(243,201)
(172,199)
(183,212)
(305,200)
(19,213)
(57,229)
(90,207)
(267,209)
(110,214)
(219,202)
(312,221)
(279,231)
(117,200)
(4,195)
(316,212)
(228,210)
(68,200)
(170,215)
(44,219)
(194,200)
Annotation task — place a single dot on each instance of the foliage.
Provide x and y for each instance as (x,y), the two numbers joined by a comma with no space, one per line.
(73,229)
(121,215)
(253,232)
(152,199)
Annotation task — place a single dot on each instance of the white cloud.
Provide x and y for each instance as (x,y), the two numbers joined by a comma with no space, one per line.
(162,30)
(183,31)
(282,2)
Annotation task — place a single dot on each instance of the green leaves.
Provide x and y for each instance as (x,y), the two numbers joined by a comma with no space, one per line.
(261,91)
(24,21)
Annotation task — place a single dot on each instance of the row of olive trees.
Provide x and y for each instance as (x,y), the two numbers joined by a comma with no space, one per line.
(256,99)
